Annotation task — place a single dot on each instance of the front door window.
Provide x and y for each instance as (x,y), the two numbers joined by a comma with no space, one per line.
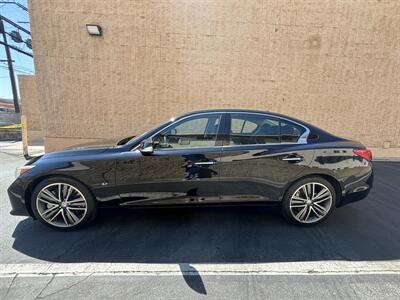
(198,131)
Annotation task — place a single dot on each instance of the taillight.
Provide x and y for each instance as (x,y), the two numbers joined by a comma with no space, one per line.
(364,153)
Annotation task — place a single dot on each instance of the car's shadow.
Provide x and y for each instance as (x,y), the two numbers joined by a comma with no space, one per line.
(367,230)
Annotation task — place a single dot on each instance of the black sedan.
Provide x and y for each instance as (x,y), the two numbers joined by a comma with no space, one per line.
(213,157)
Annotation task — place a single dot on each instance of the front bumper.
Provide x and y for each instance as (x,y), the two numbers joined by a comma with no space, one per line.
(16,194)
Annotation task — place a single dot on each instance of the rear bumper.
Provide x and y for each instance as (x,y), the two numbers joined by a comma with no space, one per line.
(358,191)
(16,195)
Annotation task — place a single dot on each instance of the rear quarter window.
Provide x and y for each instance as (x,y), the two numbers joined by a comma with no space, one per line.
(290,133)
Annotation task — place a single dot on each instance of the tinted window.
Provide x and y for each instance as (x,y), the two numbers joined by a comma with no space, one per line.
(290,133)
(259,129)
(253,129)
(242,126)
(198,131)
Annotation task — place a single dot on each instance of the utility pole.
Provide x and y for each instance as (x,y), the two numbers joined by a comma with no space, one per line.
(8,47)
(10,68)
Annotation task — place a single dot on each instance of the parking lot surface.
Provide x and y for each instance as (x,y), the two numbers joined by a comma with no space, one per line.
(219,252)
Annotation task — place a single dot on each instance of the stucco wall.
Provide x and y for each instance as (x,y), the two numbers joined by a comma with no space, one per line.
(335,64)
(30,107)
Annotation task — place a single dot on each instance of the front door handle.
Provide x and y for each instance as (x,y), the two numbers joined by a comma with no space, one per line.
(204,163)
(293,158)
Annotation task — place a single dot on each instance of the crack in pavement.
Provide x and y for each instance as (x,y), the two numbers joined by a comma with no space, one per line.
(9,287)
(60,290)
(38,296)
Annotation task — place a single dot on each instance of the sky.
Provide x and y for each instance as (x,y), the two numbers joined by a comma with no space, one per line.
(22,64)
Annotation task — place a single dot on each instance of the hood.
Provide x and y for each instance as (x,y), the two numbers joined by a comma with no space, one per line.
(96,147)
(101,143)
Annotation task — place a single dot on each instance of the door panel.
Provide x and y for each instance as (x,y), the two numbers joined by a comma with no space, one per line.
(256,164)
(181,176)
(183,169)
(259,173)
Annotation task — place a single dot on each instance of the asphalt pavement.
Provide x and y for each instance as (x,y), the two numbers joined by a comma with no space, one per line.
(235,253)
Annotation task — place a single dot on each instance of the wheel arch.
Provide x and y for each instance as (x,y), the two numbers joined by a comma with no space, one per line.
(34,183)
(332,180)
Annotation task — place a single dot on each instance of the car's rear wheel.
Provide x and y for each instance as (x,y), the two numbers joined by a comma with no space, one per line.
(309,201)
(63,203)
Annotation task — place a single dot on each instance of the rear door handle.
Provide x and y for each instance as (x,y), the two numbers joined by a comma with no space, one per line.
(204,163)
(293,158)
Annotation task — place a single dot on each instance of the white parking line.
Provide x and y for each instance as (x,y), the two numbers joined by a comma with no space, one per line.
(134,269)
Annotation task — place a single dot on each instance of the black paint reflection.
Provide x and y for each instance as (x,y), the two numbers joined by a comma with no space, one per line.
(196,166)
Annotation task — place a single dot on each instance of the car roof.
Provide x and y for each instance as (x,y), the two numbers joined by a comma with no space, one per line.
(237,110)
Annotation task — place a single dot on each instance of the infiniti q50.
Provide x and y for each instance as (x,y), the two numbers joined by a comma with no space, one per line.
(213,157)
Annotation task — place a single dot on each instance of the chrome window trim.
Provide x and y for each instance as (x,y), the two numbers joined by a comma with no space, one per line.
(302,139)
(220,147)
(266,144)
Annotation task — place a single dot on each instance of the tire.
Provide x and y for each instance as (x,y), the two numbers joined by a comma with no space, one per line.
(76,208)
(304,206)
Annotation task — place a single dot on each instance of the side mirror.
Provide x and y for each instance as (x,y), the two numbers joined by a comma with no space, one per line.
(146,147)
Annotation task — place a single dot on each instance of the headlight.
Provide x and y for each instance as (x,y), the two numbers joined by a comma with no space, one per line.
(23,169)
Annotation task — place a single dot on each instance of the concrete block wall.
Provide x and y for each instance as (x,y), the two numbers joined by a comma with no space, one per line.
(335,64)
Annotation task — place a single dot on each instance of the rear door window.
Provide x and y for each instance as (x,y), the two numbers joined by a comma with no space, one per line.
(253,129)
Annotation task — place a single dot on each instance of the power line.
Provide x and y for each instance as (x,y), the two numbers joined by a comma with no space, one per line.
(15,48)
(22,67)
(15,3)
(15,25)
(18,69)
(16,37)
(21,64)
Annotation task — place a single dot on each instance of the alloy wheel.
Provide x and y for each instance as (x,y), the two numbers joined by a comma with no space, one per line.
(311,202)
(61,205)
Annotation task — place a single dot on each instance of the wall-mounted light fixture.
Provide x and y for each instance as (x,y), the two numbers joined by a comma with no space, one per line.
(93,29)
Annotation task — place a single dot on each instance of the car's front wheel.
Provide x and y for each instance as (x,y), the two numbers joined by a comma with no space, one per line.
(63,203)
(309,201)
